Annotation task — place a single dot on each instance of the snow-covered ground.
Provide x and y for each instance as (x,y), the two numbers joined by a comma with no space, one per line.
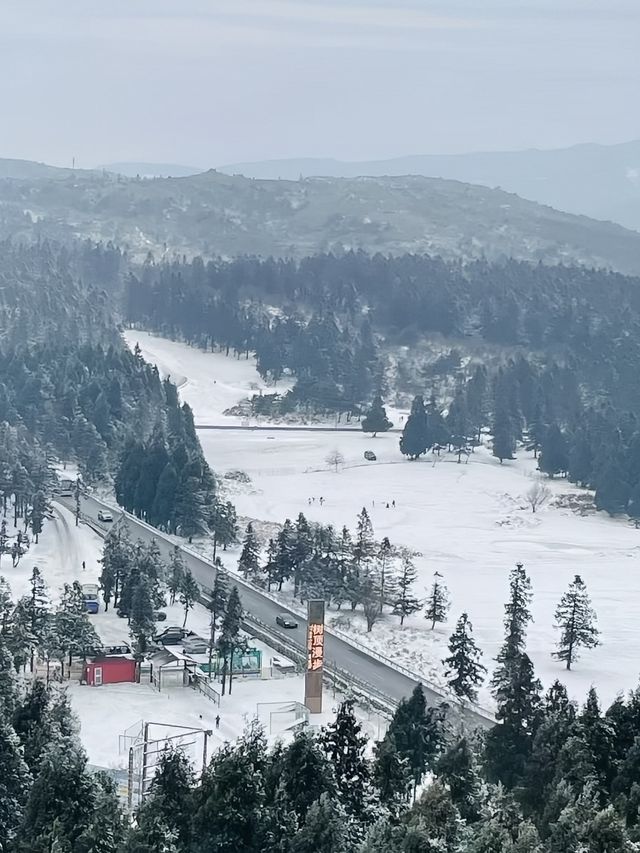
(469,522)
(106,712)
(208,382)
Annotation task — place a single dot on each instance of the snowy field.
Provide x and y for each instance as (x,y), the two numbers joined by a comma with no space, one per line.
(469,522)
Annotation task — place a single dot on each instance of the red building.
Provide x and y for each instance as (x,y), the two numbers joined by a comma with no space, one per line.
(109,670)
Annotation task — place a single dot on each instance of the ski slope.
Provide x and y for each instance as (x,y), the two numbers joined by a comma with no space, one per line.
(469,522)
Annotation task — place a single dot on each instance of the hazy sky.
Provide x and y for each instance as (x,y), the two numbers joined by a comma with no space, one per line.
(208,82)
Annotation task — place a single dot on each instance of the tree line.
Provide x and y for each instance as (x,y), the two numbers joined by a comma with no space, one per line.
(70,389)
(552,777)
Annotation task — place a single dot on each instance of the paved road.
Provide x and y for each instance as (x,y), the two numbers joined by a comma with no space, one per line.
(280,428)
(363,666)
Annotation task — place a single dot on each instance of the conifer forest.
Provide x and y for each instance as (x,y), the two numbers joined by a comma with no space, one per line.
(319,426)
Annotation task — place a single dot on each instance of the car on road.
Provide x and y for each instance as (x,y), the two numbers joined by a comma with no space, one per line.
(286,621)
(195,646)
(171,636)
(159,615)
(103,515)
(370,456)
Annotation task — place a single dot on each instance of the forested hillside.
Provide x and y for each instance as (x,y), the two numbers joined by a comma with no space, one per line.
(218,215)
(547,355)
(551,777)
(69,387)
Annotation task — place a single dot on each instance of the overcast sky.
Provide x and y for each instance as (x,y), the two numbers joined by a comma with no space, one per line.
(208,82)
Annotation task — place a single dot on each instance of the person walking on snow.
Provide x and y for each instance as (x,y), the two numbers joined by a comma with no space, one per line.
(218,721)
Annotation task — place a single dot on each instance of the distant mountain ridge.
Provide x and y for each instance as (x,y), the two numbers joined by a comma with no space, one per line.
(218,215)
(151,170)
(601,181)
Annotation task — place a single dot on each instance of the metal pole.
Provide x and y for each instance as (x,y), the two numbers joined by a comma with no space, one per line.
(130,785)
(204,750)
(145,743)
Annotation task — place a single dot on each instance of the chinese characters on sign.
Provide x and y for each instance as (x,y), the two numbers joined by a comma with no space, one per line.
(315,647)
(315,656)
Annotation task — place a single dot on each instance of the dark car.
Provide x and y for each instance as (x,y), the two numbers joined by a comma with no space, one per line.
(286,621)
(370,456)
(172,636)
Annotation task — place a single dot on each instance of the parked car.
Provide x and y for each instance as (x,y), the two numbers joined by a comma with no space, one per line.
(159,615)
(370,456)
(103,515)
(286,621)
(195,646)
(171,636)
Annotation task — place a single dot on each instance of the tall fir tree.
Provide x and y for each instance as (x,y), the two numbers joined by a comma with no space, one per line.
(189,594)
(414,441)
(345,746)
(576,619)
(437,603)
(376,419)
(249,562)
(405,602)
(464,671)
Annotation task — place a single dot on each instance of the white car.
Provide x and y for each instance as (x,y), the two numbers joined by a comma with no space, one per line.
(103,515)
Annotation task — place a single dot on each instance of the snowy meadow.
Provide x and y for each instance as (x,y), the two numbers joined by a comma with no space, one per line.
(470,522)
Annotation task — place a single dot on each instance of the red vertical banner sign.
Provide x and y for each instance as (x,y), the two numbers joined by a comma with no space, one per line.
(315,656)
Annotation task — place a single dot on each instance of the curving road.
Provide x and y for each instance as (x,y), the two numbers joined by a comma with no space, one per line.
(364,667)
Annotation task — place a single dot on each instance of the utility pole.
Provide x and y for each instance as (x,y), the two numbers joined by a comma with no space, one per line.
(77,501)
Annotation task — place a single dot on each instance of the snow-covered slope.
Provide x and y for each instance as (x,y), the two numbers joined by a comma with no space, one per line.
(469,522)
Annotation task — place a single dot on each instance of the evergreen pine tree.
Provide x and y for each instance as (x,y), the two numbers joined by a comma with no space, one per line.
(517,616)
(418,733)
(376,419)
(383,565)
(141,621)
(457,768)
(14,782)
(229,808)
(116,563)
(189,593)
(304,774)
(345,745)
(437,603)
(249,562)
(224,525)
(504,430)
(415,436)
(38,511)
(229,637)
(105,829)
(8,681)
(364,545)
(554,456)
(176,575)
(575,618)
(405,603)
(61,797)
(391,774)
(170,799)
(216,604)
(324,828)
(464,670)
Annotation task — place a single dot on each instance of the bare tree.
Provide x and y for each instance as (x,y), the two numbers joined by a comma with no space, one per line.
(538,495)
(334,459)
